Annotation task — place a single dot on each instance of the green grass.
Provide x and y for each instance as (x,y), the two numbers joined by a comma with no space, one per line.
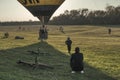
(101,53)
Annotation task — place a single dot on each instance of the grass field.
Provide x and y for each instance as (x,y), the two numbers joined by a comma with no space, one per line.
(101,53)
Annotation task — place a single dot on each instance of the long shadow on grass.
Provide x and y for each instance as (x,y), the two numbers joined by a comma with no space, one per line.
(9,70)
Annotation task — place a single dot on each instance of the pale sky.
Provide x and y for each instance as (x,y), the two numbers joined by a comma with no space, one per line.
(12,10)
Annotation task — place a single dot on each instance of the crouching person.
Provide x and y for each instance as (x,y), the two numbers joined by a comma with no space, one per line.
(76,61)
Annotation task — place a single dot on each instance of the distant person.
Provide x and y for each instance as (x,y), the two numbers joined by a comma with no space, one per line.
(6,35)
(76,61)
(61,29)
(68,42)
(19,27)
(43,33)
(109,31)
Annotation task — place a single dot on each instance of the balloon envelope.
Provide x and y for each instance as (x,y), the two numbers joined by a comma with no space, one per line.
(42,9)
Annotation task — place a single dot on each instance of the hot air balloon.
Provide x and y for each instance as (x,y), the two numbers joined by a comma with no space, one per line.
(42,9)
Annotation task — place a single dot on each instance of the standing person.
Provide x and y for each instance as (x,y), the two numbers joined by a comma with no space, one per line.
(41,32)
(109,31)
(45,32)
(6,35)
(76,61)
(68,42)
(19,27)
(61,29)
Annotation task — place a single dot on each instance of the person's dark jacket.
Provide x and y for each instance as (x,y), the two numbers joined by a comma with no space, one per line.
(68,42)
(76,61)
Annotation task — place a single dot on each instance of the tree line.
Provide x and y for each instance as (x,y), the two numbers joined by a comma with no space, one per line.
(111,15)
